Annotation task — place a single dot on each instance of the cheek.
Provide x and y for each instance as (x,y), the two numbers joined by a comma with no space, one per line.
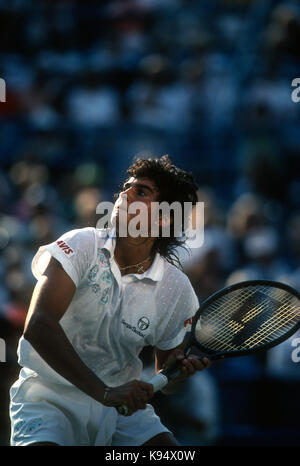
(153,216)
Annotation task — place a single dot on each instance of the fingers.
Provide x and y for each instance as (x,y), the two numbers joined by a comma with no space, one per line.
(147,388)
(192,363)
(189,364)
(139,395)
(142,394)
(134,395)
(139,400)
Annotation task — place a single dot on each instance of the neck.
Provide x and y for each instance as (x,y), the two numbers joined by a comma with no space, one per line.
(130,251)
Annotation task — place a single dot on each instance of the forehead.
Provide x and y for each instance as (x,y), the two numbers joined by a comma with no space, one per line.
(146,182)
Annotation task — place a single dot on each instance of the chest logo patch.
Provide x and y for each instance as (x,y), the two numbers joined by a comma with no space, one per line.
(143,323)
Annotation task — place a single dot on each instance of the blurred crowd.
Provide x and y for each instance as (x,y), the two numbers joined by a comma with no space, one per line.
(91,84)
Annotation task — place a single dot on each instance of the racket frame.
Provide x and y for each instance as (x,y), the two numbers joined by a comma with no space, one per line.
(192,342)
(161,379)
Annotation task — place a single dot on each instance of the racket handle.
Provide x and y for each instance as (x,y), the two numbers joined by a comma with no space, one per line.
(158,381)
(161,379)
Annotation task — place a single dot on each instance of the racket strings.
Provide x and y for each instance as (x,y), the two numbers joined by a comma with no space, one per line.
(219,328)
(222,330)
(273,327)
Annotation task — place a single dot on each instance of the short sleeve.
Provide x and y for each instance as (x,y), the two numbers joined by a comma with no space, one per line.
(181,318)
(74,250)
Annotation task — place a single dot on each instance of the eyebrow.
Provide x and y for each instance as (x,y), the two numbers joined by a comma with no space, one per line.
(138,185)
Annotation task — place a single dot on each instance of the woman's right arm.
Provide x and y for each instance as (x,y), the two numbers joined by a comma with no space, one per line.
(50,300)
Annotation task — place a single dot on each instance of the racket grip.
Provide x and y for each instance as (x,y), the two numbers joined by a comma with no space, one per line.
(158,381)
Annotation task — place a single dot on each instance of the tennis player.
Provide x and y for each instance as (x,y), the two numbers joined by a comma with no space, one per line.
(99,299)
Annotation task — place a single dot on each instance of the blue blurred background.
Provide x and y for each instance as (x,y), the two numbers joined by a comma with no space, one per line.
(91,84)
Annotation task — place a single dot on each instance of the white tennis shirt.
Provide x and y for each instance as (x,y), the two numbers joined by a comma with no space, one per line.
(112,317)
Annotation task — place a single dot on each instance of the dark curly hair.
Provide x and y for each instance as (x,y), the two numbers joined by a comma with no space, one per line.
(174,185)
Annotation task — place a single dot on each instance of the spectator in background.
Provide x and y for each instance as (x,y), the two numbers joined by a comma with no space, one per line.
(208,265)
(245,213)
(283,360)
(283,33)
(158,99)
(261,250)
(85,205)
(94,103)
(293,237)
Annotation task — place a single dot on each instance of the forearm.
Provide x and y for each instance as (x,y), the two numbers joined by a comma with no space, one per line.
(52,344)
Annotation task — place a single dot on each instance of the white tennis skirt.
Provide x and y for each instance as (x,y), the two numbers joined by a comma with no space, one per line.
(42,411)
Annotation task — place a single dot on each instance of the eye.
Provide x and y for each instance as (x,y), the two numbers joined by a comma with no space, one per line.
(141,192)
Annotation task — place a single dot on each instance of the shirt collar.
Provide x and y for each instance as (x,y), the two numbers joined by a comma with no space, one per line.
(110,241)
(155,272)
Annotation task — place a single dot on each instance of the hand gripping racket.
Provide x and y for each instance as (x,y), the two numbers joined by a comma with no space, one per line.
(238,320)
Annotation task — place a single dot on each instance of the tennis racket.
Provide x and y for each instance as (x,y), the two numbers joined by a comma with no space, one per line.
(238,320)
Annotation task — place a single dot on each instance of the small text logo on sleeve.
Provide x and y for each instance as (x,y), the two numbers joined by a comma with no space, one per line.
(188,321)
(65,247)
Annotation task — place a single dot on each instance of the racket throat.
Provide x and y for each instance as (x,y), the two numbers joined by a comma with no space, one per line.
(187,351)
